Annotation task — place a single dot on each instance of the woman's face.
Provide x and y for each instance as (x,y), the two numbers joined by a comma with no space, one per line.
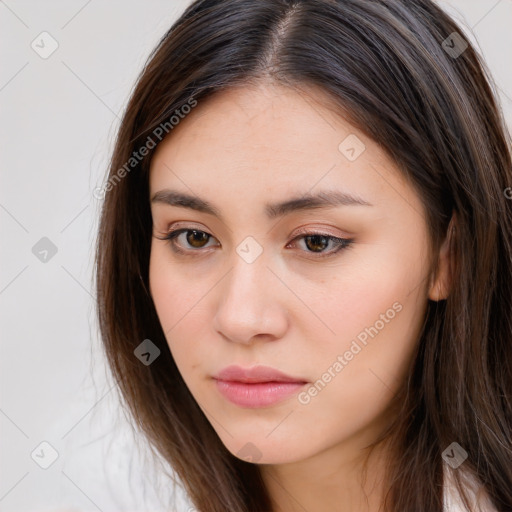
(260,278)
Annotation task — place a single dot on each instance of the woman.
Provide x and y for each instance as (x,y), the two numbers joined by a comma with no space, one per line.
(304,264)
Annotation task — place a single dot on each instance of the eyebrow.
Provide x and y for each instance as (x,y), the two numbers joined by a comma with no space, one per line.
(323,199)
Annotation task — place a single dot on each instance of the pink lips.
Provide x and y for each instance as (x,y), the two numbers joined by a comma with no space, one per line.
(259,386)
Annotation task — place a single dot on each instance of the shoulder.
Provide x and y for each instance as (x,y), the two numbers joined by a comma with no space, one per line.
(477,495)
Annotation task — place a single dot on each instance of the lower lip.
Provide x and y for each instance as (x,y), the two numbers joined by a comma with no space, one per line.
(260,394)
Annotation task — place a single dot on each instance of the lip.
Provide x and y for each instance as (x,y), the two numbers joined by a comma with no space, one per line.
(259,386)
(255,374)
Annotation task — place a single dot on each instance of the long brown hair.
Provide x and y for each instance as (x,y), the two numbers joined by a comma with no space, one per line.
(398,72)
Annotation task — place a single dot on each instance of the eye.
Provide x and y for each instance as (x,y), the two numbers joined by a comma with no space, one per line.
(316,243)
(195,239)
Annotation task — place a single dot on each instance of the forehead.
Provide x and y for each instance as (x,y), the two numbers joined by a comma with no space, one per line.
(266,140)
(266,120)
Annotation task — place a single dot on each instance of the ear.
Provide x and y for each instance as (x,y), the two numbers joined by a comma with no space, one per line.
(440,288)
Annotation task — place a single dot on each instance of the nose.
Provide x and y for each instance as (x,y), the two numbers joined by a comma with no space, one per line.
(251,303)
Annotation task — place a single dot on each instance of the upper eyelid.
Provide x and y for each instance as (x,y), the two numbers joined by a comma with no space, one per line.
(186,225)
(301,232)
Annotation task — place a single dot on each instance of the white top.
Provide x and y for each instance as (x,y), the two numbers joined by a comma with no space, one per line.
(478,497)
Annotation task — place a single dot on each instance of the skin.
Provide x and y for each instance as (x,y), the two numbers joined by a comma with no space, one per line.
(291,309)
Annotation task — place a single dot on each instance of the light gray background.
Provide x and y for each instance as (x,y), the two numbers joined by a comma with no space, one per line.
(58,120)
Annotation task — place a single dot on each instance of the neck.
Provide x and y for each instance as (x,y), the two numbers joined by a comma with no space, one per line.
(340,478)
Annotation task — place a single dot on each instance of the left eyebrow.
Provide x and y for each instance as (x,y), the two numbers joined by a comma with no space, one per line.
(324,199)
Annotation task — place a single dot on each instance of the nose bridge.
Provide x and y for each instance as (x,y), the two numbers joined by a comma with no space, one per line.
(246,285)
(249,271)
(248,303)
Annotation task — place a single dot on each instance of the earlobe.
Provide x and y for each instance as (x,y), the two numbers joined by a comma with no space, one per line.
(440,288)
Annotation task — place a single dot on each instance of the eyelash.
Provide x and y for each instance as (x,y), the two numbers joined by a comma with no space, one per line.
(342,243)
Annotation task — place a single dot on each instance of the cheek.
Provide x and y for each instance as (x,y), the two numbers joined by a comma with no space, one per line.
(367,289)
(375,310)
(176,291)
(357,371)
(179,296)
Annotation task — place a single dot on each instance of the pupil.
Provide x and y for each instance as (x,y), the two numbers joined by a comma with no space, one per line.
(319,242)
(192,241)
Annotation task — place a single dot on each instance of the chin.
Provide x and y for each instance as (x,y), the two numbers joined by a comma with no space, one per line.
(265,451)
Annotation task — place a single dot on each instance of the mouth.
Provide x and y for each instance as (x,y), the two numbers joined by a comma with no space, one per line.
(259,386)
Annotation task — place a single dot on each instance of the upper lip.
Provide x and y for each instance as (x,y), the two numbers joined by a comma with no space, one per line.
(255,374)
